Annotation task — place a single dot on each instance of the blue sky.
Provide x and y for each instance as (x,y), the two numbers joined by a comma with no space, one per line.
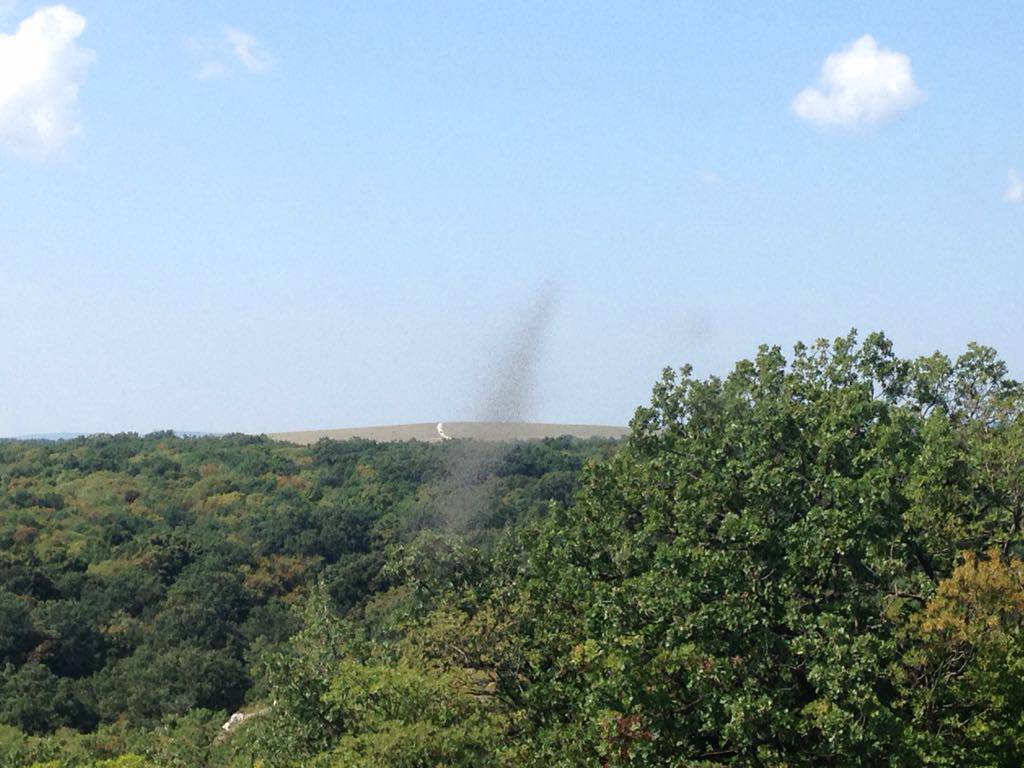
(282,215)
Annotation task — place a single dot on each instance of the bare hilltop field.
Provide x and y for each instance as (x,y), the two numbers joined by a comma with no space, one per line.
(433,431)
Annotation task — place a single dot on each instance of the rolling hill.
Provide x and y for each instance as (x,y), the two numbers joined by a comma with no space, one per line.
(433,432)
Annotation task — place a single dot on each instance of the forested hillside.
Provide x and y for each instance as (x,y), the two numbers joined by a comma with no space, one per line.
(141,578)
(812,561)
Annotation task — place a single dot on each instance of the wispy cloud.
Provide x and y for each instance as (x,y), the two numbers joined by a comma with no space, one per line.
(248,51)
(41,71)
(709,178)
(859,85)
(233,51)
(1015,188)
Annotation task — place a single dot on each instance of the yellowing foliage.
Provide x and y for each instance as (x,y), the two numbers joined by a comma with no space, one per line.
(981,600)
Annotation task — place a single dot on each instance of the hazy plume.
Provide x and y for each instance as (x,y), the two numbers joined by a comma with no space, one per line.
(512,369)
(508,394)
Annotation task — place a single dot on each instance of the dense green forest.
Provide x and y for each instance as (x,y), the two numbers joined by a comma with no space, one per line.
(813,561)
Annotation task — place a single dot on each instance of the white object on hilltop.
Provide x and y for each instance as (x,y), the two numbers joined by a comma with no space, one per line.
(440,431)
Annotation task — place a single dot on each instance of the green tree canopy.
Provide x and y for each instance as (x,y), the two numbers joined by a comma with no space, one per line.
(735,586)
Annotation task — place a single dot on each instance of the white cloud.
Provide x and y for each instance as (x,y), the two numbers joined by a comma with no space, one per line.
(224,56)
(248,51)
(41,70)
(861,85)
(1015,189)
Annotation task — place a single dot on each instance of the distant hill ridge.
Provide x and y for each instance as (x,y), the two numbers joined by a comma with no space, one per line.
(428,431)
(56,437)
(433,431)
